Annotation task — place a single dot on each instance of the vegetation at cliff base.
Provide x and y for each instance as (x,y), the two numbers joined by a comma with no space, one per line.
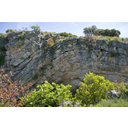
(93,92)
(47,95)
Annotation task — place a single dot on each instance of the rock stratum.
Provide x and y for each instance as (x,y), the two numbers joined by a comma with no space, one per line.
(67,61)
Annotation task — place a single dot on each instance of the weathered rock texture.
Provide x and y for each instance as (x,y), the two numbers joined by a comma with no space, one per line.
(66,62)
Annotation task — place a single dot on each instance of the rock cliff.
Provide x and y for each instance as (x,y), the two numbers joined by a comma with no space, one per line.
(67,61)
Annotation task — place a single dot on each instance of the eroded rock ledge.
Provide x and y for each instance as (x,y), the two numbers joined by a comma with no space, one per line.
(66,62)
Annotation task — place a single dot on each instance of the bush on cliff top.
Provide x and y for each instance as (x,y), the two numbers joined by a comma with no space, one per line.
(10,30)
(67,34)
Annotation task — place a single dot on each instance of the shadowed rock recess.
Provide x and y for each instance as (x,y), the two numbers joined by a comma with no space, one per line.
(67,61)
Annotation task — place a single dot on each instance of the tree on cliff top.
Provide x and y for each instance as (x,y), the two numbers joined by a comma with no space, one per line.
(90,30)
(104,32)
(107,32)
(36,28)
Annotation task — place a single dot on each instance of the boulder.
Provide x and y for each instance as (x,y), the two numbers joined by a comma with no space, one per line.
(113,94)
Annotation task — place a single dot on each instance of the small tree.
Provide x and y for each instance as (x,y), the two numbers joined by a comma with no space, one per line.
(35,28)
(93,89)
(90,30)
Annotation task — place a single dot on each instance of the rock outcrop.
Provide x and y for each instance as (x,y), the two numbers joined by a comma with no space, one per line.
(67,61)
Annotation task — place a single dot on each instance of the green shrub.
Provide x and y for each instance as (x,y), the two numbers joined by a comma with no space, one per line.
(58,40)
(35,28)
(107,32)
(45,33)
(11,30)
(50,42)
(67,34)
(21,36)
(48,95)
(93,89)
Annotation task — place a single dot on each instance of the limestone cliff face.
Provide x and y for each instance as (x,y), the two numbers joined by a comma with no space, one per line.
(66,62)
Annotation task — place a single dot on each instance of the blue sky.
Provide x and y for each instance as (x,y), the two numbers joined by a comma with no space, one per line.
(70,27)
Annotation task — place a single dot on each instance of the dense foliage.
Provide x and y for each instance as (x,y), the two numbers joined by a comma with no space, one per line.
(50,43)
(107,32)
(104,32)
(93,89)
(90,30)
(47,95)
